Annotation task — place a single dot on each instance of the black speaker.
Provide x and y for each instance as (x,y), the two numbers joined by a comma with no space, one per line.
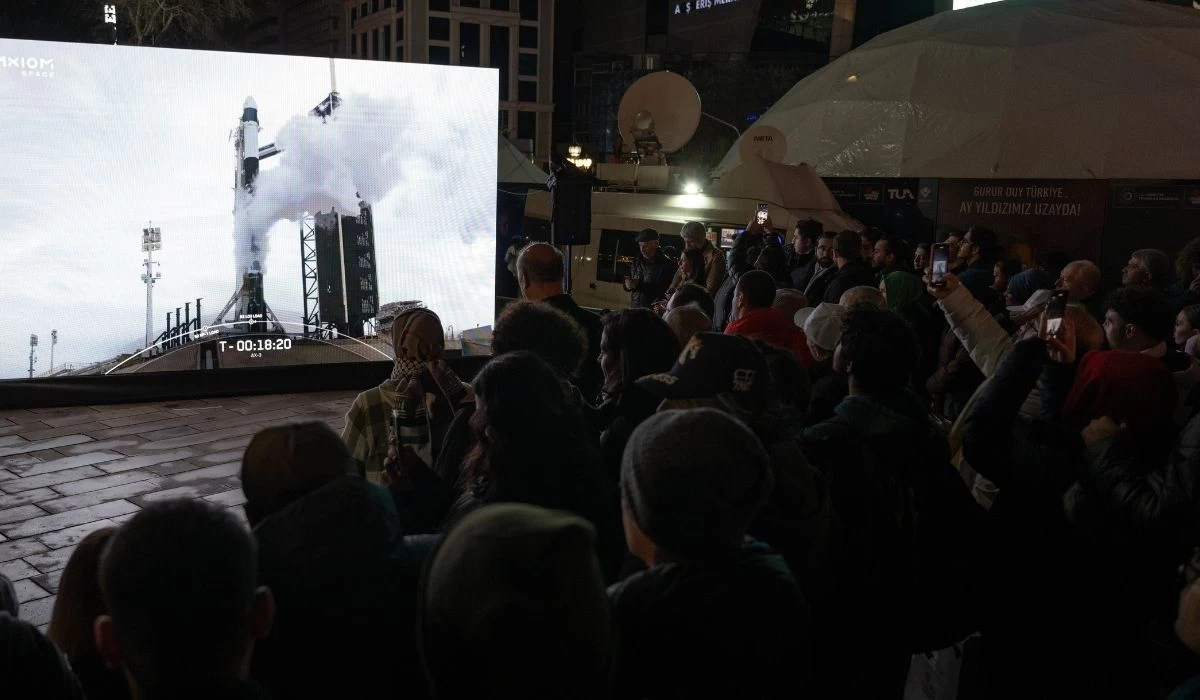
(570,203)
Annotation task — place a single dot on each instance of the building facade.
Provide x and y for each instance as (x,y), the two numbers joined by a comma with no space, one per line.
(514,36)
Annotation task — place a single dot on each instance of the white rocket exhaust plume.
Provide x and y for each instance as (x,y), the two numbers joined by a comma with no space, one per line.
(357,155)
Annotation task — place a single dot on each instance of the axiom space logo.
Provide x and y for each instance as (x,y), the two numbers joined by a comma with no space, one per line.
(28,66)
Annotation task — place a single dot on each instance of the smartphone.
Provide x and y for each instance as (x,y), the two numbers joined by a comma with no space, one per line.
(941,263)
(764,210)
(1056,309)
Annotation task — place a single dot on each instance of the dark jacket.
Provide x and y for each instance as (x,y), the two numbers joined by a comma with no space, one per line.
(99,682)
(654,277)
(344,581)
(723,303)
(855,273)
(590,377)
(622,415)
(977,277)
(571,478)
(1047,575)
(908,573)
(735,626)
(813,280)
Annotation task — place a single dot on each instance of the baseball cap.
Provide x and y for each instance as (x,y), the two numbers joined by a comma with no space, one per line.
(647,235)
(1035,300)
(822,324)
(711,364)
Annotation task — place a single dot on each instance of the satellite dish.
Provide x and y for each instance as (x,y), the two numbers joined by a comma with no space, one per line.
(764,142)
(664,103)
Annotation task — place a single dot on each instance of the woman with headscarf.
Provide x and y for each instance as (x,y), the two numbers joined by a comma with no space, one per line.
(419,399)
(904,293)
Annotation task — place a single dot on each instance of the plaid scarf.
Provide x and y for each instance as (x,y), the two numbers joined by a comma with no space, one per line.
(419,385)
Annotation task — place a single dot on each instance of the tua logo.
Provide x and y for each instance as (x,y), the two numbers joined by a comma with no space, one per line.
(900,194)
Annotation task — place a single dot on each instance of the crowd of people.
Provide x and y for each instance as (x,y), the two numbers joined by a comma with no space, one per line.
(782,472)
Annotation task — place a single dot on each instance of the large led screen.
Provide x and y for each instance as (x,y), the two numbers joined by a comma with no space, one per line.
(169,210)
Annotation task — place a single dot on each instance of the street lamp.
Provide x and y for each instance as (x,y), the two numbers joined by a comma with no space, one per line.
(32,344)
(151,241)
(576,157)
(53,342)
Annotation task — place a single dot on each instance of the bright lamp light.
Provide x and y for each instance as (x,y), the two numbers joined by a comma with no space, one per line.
(691,188)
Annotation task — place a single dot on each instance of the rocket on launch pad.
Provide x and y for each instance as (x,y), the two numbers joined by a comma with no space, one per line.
(248,304)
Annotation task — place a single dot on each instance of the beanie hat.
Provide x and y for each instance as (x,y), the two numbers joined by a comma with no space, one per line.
(647,235)
(694,480)
(1022,285)
(514,592)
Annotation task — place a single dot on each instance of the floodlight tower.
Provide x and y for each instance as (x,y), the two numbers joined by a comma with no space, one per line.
(32,345)
(110,17)
(151,241)
(53,342)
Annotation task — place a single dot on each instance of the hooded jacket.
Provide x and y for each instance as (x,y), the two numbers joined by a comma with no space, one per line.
(733,626)
(344,581)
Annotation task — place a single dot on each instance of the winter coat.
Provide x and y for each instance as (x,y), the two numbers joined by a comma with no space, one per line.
(623,414)
(854,273)
(342,575)
(907,579)
(590,377)
(732,626)
(654,278)
(723,303)
(1046,579)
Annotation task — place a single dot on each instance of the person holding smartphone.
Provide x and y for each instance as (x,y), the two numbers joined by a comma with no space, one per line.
(650,272)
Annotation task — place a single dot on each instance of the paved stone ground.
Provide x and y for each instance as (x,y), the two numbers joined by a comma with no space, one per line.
(65,472)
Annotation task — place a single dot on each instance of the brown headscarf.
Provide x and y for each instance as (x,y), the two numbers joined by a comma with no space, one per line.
(419,343)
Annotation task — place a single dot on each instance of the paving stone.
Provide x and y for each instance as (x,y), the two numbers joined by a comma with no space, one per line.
(68,538)
(6,475)
(19,415)
(171,468)
(252,417)
(146,460)
(12,515)
(51,560)
(17,569)
(85,415)
(16,428)
(237,444)
(62,463)
(189,440)
(104,445)
(114,411)
(19,461)
(123,518)
(232,497)
(92,498)
(101,482)
(196,490)
(59,521)
(51,479)
(12,440)
(168,433)
(49,581)
(28,590)
(217,471)
(165,415)
(38,612)
(141,428)
(221,457)
(20,548)
(47,433)
(31,496)
(44,445)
